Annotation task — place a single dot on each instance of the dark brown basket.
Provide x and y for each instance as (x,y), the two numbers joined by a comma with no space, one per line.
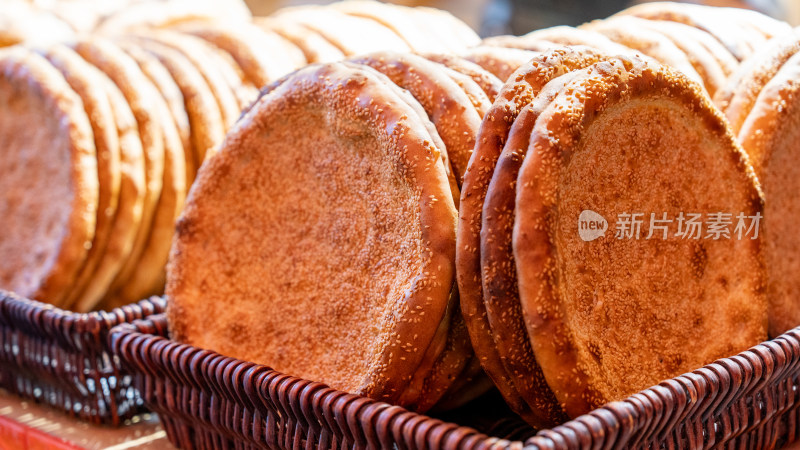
(59,358)
(206,400)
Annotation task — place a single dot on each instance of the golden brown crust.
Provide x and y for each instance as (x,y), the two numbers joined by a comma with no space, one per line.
(447,105)
(378,308)
(440,347)
(769,135)
(49,179)
(604,320)
(742,89)
(421,114)
(498,270)
(518,92)
(87,82)
(499,61)
(490,84)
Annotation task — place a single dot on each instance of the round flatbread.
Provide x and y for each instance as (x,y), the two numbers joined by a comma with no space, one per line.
(383,244)
(49,178)
(140,94)
(146,277)
(769,134)
(610,316)
(498,271)
(736,99)
(87,81)
(503,363)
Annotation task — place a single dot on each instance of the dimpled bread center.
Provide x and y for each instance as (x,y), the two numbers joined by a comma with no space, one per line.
(645,310)
(36,188)
(320,243)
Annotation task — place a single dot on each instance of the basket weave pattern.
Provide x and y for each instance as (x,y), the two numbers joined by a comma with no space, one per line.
(59,358)
(206,400)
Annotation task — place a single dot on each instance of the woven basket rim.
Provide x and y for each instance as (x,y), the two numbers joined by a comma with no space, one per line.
(60,358)
(654,413)
(47,321)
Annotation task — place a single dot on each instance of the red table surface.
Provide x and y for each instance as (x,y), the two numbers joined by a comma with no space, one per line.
(25,425)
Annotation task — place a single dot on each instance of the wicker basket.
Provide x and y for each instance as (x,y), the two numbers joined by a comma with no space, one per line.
(59,358)
(206,400)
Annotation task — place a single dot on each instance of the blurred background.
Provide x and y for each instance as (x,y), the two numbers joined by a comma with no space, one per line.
(493,17)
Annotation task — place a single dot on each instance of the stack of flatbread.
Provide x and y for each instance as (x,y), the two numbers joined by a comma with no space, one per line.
(705,43)
(363,216)
(760,102)
(415,206)
(152,88)
(336,260)
(565,319)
